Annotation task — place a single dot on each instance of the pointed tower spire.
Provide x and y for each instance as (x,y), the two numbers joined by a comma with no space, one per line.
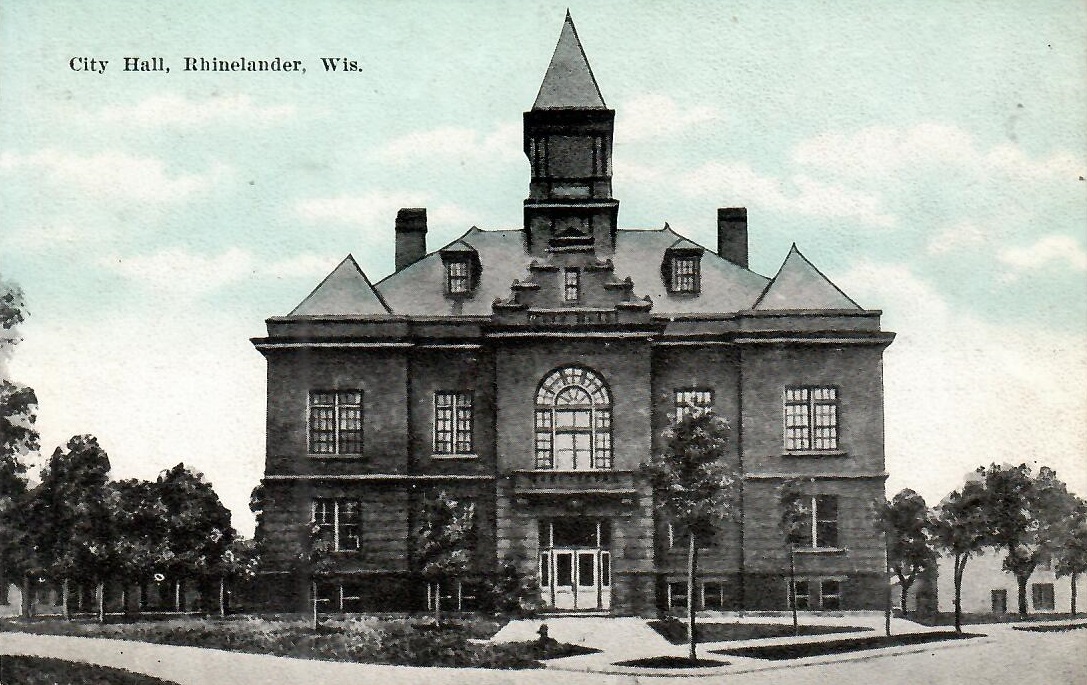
(569,82)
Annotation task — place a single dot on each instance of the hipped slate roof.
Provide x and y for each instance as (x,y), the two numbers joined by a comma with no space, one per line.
(799,285)
(419,289)
(344,292)
(569,82)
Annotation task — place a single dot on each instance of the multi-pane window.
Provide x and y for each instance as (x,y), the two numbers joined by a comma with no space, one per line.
(688,400)
(335,422)
(713,595)
(571,286)
(452,422)
(677,595)
(573,421)
(340,521)
(820,527)
(1041,596)
(811,418)
(459,278)
(816,594)
(685,274)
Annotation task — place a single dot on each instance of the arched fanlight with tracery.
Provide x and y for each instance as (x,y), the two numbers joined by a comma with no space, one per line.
(573,421)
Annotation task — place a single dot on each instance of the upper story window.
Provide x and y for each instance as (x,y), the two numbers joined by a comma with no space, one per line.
(685,275)
(573,421)
(571,285)
(339,520)
(821,522)
(335,422)
(811,418)
(452,422)
(688,400)
(458,277)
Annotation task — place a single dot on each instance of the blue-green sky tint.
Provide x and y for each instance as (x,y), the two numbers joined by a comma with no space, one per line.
(927,156)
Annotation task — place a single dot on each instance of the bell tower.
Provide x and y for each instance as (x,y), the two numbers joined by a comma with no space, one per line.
(568,142)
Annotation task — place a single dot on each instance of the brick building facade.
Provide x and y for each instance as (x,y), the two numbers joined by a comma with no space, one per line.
(531,370)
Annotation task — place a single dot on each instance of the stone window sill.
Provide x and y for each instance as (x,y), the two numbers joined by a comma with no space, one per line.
(815,453)
(336,457)
(454,457)
(828,551)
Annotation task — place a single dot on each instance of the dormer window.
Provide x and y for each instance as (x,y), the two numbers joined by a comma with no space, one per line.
(462,269)
(458,277)
(571,290)
(681,269)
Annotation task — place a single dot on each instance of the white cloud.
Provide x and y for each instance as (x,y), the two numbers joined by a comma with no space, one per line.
(186,274)
(114,175)
(964,234)
(452,145)
(170,109)
(962,392)
(804,195)
(54,236)
(377,208)
(655,115)
(879,151)
(1050,250)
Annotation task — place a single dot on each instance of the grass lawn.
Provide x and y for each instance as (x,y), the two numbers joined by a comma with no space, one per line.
(676,631)
(1052,627)
(403,640)
(804,649)
(35,670)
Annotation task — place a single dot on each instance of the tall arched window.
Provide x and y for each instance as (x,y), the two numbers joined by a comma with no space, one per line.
(573,421)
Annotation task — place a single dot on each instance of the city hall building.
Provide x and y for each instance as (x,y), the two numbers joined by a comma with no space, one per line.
(531,370)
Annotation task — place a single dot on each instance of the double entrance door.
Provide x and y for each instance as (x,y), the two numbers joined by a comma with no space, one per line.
(575,563)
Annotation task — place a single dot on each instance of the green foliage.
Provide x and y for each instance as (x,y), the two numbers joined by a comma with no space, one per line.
(364,640)
(907,524)
(198,529)
(36,670)
(72,513)
(796,513)
(515,592)
(446,537)
(142,543)
(695,486)
(1071,553)
(961,527)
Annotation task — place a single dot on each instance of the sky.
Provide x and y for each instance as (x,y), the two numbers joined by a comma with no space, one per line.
(929,157)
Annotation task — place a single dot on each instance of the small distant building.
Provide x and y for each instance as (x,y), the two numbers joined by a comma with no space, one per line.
(988,588)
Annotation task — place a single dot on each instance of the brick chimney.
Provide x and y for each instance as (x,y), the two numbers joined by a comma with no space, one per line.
(410,236)
(732,234)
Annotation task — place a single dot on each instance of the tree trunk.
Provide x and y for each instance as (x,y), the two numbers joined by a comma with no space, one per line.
(177,595)
(313,594)
(792,588)
(960,566)
(692,561)
(100,591)
(1021,581)
(1074,576)
(141,603)
(124,599)
(438,602)
(222,596)
(905,592)
(65,596)
(27,599)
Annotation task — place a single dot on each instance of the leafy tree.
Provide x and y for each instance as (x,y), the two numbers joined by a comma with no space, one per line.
(73,516)
(141,543)
(446,537)
(795,527)
(315,560)
(18,438)
(962,530)
(198,528)
(239,562)
(694,485)
(907,523)
(1071,553)
(1024,513)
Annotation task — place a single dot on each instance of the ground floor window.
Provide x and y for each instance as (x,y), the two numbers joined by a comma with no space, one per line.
(999,601)
(818,594)
(713,595)
(677,595)
(1041,595)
